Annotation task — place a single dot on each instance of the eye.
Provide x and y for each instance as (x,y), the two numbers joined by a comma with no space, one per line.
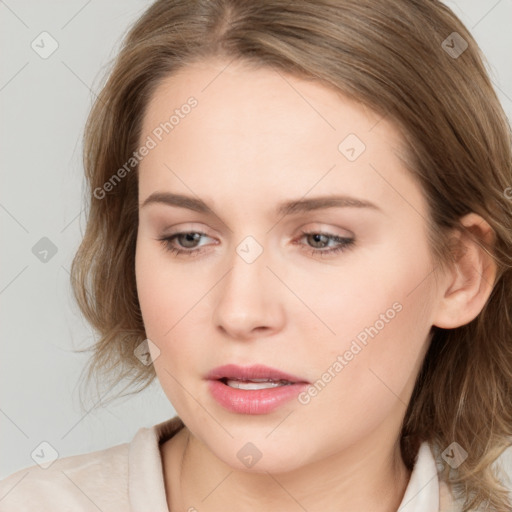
(319,240)
(188,240)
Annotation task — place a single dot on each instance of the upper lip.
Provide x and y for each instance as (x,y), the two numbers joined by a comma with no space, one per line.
(257,371)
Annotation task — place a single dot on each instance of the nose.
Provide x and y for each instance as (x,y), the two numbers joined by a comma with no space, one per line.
(249,299)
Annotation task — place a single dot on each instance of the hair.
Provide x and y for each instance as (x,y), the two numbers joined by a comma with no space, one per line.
(388,55)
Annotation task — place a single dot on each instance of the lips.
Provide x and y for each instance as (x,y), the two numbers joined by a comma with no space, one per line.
(247,373)
(234,389)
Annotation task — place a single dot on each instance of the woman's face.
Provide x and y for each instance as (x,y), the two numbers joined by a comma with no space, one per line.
(250,288)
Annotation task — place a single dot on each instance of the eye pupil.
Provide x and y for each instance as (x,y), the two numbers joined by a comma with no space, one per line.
(317,237)
(189,237)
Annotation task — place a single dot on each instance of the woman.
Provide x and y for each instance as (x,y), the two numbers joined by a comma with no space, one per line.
(300,224)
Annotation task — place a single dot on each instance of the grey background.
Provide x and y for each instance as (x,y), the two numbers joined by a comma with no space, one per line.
(44,105)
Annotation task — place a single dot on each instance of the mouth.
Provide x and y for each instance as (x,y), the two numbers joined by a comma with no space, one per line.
(255,389)
(259,375)
(255,383)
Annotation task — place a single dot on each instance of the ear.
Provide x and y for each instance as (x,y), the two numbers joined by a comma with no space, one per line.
(470,280)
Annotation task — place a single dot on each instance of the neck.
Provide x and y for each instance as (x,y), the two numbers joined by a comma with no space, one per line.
(361,478)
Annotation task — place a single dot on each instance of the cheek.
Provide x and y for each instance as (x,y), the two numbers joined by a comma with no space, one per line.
(162,297)
(381,315)
(156,303)
(174,306)
(151,291)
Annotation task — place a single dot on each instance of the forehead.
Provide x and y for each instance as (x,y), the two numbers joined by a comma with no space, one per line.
(236,84)
(254,127)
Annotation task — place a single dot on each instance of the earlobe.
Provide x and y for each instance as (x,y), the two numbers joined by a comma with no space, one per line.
(473,271)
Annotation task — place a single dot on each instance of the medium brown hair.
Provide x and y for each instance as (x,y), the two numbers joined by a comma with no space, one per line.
(392,56)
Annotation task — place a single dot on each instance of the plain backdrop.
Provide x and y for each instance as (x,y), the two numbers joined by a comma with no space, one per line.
(44,103)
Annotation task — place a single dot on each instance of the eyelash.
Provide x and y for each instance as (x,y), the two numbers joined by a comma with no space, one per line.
(345,243)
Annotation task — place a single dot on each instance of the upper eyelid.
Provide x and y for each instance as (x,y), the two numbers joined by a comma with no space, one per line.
(188,228)
(301,234)
(313,226)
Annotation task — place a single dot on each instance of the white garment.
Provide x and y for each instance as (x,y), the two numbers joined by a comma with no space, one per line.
(129,478)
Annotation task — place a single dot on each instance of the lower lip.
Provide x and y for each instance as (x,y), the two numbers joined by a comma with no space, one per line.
(254,401)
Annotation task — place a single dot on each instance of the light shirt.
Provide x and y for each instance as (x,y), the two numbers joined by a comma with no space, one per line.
(129,478)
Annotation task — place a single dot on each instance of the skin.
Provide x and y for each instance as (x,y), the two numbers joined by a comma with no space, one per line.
(258,138)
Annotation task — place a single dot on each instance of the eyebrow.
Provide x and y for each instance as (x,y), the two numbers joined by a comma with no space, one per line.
(294,206)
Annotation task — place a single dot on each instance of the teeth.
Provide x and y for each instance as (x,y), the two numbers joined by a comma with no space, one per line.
(256,384)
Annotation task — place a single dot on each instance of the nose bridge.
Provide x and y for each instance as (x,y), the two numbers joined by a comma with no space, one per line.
(245,282)
(247,299)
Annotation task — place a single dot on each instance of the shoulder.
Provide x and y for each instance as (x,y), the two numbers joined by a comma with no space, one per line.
(91,481)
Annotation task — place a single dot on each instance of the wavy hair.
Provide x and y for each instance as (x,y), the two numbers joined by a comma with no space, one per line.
(402,59)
